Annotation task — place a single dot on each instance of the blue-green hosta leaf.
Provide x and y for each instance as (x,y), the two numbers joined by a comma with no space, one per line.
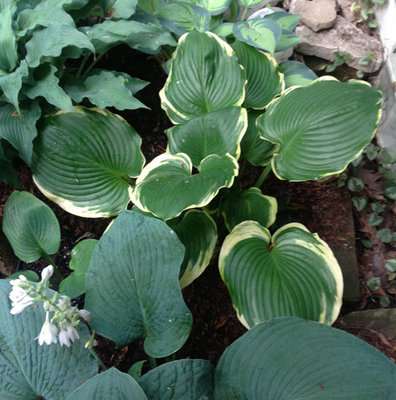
(263,79)
(20,130)
(5,3)
(132,285)
(205,76)
(251,205)
(118,8)
(319,129)
(285,20)
(261,33)
(183,17)
(254,148)
(294,273)
(46,84)
(105,89)
(181,379)
(166,187)
(109,385)
(137,35)
(50,41)
(28,370)
(30,226)
(297,74)
(74,284)
(289,358)
(8,48)
(84,160)
(219,132)
(198,233)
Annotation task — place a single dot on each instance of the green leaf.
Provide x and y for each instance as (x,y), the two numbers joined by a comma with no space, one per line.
(249,3)
(355,184)
(320,128)
(251,205)
(374,219)
(254,148)
(74,285)
(390,192)
(28,370)
(166,187)
(20,130)
(390,265)
(28,274)
(50,41)
(204,77)
(215,7)
(8,175)
(30,226)
(135,371)
(181,379)
(296,74)
(285,20)
(76,165)
(287,39)
(368,244)
(377,207)
(294,273)
(8,47)
(198,233)
(105,89)
(118,8)
(261,33)
(224,29)
(140,258)
(374,283)
(263,79)
(385,235)
(109,385)
(359,202)
(219,132)
(289,358)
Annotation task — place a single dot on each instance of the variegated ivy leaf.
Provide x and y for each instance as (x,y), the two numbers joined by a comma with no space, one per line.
(118,8)
(263,79)
(219,132)
(204,77)
(262,33)
(50,41)
(8,48)
(166,187)
(297,74)
(84,160)
(319,129)
(292,273)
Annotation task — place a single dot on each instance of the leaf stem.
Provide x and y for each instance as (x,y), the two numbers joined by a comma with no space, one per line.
(244,14)
(93,64)
(263,175)
(50,261)
(82,65)
(153,362)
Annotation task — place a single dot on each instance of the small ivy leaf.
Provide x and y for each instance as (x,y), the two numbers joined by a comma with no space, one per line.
(342,180)
(385,235)
(371,151)
(359,202)
(368,244)
(384,301)
(377,207)
(374,283)
(357,161)
(355,184)
(390,265)
(391,277)
(390,192)
(374,219)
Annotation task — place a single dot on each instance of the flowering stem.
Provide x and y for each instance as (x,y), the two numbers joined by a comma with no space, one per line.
(98,359)
(244,14)
(50,261)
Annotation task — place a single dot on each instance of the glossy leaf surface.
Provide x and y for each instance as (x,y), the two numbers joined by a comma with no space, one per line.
(297,74)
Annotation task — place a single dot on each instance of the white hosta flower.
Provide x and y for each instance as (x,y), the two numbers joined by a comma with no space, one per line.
(18,296)
(48,333)
(68,334)
(46,273)
(85,315)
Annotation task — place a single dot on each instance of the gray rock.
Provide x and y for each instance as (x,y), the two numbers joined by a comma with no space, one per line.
(316,14)
(345,8)
(344,37)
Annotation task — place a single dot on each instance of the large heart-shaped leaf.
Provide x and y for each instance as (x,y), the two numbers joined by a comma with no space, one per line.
(320,128)
(215,7)
(297,74)
(198,232)
(118,8)
(219,132)
(28,370)
(294,273)
(132,285)
(109,385)
(84,160)
(166,186)
(181,379)
(204,76)
(263,79)
(30,226)
(289,358)
(8,48)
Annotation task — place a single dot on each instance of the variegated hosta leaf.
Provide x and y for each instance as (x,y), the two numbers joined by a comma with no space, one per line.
(254,148)
(215,7)
(167,186)
(8,48)
(118,8)
(262,33)
(285,20)
(204,77)
(198,232)
(319,129)
(263,79)
(219,132)
(294,273)
(249,3)
(250,204)
(20,130)
(297,74)
(132,285)
(289,358)
(84,160)
(50,41)
(224,29)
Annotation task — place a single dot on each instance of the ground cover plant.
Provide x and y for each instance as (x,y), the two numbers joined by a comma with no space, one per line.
(231,104)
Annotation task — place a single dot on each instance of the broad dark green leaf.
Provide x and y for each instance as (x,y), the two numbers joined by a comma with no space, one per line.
(319,129)
(292,273)
(8,48)
(204,77)
(132,285)
(219,132)
(118,8)
(166,187)
(84,160)
(30,226)
(181,379)
(289,358)
(297,74)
